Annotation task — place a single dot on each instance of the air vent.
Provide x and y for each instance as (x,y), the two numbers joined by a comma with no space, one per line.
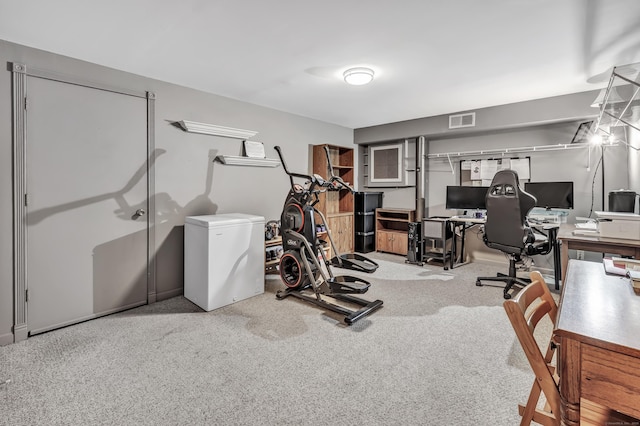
(462,120)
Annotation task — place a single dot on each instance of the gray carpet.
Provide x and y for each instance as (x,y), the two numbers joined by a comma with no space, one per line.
(440,352)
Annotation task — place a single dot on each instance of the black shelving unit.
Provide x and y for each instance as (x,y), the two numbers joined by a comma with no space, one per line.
(365,205)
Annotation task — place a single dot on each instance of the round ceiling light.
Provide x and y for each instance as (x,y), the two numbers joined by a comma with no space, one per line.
(358,76)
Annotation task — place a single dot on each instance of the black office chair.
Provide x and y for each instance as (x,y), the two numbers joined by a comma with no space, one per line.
(506,228)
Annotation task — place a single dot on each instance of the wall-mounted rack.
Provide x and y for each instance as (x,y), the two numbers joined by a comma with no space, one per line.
(234,160)
(214,130)
(504,151)
(515,150)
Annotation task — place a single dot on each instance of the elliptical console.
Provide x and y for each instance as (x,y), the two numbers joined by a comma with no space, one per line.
(304,267)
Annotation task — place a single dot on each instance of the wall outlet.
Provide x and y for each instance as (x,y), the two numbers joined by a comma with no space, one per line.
(580,254)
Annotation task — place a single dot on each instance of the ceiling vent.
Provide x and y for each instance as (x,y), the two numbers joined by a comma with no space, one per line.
(458,121)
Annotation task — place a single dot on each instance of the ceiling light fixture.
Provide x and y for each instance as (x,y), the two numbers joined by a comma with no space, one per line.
(358,76)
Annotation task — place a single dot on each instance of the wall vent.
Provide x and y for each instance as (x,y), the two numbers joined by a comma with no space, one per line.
(458,121)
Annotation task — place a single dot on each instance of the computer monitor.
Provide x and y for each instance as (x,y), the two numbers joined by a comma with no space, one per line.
(466,197)
(551,195)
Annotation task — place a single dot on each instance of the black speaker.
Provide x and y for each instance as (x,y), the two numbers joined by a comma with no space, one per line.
(622,201)
(414,252)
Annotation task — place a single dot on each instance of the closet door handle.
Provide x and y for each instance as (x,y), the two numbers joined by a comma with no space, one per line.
(138,213)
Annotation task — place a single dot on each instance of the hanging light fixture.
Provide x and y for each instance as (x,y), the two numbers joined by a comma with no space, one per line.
(358,76)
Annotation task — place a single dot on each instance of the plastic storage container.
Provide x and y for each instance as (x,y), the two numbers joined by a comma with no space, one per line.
(622,200)
(365,205)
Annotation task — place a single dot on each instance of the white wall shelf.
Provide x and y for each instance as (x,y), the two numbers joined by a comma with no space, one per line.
(234,160)
(212,129)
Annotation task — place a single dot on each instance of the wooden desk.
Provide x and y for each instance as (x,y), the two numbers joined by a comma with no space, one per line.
(592,243)
(598,336)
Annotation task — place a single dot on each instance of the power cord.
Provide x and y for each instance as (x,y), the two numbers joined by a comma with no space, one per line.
(593,182)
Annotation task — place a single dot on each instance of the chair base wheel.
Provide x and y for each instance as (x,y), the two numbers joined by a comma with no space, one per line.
(478,283)
(507,296)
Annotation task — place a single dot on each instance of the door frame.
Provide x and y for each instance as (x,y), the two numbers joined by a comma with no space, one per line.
(20,72)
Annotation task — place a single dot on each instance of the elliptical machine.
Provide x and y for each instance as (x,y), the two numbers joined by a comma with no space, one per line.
(304,267)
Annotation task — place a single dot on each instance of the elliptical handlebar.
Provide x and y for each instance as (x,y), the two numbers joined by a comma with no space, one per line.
(312,179)
(335,178)
(315,180)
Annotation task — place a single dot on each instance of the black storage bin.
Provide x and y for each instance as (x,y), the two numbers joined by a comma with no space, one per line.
(364,230)
(367,201)
(365,242)
(365,222)
(622,201)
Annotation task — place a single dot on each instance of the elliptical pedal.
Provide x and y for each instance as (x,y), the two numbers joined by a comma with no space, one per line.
(346,284)
(355,262)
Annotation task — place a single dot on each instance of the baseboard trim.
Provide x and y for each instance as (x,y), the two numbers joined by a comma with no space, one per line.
(6,339)
(168,294)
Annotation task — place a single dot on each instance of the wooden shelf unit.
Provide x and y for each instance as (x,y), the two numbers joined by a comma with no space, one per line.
(392,227)
(271,266)
(336,206)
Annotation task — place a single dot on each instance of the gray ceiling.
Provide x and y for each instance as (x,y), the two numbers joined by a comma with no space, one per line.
(431,57)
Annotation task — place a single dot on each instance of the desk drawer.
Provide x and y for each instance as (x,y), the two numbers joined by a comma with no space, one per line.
(611,379)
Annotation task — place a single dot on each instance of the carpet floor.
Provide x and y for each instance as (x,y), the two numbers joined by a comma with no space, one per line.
(440,351)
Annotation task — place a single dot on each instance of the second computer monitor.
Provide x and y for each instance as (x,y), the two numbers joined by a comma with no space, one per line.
(551,195)
(466,197)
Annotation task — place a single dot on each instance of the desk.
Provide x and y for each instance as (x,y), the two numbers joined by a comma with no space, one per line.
(598,336)
(464,223)
(551,231)
(593,243)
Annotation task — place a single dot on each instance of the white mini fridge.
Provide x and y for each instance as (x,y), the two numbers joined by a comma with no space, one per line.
(223,258)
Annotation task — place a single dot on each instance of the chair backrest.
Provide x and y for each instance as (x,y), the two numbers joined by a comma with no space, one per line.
(525,311)
(507,208)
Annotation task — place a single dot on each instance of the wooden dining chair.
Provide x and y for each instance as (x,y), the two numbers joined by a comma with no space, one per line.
(525,311)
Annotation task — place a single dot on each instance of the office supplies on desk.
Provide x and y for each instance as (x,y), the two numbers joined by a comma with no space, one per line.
(586,228)
(586,232)
(631,269)
(587,225)
(623,262)
(635,280)
(611,268)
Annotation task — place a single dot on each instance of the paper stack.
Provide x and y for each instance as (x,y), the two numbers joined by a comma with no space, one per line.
(632,266)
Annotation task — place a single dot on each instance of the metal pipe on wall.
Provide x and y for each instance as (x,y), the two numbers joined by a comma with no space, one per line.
(420,194)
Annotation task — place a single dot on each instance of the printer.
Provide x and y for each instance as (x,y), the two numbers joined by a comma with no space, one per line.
(618,225)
